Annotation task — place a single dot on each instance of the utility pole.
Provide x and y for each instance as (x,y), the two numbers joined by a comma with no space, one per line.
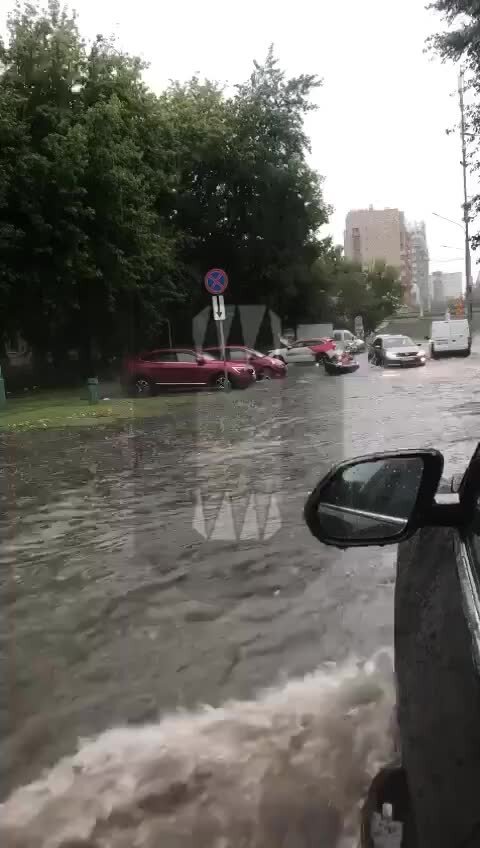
(466,207)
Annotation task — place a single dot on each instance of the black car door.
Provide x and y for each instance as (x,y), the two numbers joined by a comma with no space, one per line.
(436,648)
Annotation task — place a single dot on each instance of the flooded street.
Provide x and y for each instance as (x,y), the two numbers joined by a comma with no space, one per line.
(164,563)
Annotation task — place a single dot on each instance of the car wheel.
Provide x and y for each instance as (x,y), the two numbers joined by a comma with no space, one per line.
(434,353)
(466,353)
(142,387)
(389,787)
(319,358)
(221,382)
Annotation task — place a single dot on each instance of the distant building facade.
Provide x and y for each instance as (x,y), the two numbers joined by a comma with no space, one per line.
(445,287)
(380,234)
(420,263)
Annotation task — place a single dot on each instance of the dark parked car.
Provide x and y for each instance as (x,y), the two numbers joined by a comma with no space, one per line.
(434,788)
(266,367)
(183,368)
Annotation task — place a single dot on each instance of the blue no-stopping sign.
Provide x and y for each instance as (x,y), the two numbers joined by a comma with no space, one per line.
(216,281)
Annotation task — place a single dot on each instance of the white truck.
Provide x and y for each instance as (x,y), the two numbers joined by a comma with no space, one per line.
(342,338)
(451,336)
(315,331)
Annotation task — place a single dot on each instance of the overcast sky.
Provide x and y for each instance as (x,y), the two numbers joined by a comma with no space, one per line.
(379,134)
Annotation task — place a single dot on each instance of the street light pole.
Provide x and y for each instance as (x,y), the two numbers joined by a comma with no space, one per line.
(466,206)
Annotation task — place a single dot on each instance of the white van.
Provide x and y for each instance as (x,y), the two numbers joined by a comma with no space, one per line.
(450,337)
(344,337)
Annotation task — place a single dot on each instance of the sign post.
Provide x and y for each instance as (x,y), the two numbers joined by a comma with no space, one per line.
(3,397)
(216,282)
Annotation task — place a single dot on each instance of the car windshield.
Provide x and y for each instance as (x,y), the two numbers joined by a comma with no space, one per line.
(397,341)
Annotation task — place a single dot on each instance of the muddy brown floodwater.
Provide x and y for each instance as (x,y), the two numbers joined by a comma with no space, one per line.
(165,562)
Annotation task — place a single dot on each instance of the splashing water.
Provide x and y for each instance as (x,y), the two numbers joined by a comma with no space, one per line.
(287,770)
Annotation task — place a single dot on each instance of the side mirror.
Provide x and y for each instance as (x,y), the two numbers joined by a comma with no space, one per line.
(380,499)
(201,360)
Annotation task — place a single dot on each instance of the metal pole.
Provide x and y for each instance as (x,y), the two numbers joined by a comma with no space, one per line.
(3,397)
(466,208)
(169,333)
(222,350)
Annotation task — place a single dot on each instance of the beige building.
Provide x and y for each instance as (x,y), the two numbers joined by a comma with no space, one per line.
(380,234)
(446,286)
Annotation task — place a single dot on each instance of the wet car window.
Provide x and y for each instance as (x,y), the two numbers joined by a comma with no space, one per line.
(238,354)
(398,341)
(474,536)
(186,356)
(159,356)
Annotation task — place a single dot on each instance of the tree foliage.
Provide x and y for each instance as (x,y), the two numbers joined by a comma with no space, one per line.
(114,201)
(460,42)
(373,293)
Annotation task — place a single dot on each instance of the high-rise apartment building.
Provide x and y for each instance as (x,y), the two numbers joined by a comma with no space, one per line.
(419,263)
(446,286)
(380,234)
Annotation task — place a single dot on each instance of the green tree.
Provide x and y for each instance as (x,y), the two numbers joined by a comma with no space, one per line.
(247,199)
(374,293)
(114,201)
(461,42)
(85,247)
(385,293)
(462,38)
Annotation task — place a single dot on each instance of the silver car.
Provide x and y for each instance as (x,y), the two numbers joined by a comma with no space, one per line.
(400,351)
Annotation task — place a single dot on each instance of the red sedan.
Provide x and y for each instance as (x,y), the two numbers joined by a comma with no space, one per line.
(266,367)
(183,368)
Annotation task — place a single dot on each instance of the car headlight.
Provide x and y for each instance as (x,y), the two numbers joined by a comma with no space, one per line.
(391,355)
